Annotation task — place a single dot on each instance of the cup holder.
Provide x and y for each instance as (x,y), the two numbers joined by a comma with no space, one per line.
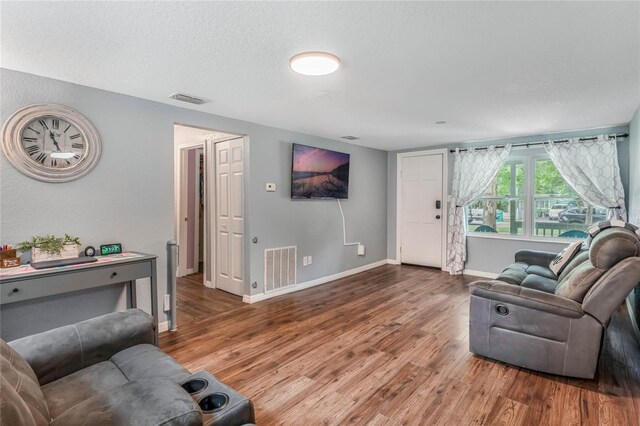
(213,402)
(195,385)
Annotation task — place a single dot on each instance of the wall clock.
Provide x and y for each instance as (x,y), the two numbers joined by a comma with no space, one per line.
(51,143)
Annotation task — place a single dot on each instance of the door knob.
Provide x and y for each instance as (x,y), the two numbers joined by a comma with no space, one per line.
(437,216)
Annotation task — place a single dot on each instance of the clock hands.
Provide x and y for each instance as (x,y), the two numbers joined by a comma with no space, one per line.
(53,138)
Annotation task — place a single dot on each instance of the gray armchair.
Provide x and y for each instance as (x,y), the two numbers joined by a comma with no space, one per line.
(531,318)
(105,371)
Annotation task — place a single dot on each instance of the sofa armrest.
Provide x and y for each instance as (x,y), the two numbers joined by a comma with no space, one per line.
(535,257)
(59,352)
(527,297)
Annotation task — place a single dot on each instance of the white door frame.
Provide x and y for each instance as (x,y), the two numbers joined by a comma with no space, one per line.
(180,182)
(445,199)
(197,244)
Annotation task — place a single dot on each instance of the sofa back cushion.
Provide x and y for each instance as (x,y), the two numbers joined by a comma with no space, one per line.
(22,400)
(607,249)
(581,257)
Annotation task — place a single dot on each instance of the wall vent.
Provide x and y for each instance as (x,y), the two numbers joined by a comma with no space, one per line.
(188,98)
(350,138)
(279,268)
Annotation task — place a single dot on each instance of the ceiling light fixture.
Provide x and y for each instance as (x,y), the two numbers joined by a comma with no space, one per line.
(314,63)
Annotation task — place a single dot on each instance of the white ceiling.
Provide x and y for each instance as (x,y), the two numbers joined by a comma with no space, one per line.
(490,69)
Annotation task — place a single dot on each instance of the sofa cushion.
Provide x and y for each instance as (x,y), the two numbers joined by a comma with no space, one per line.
(612,246)
(564,257)
(542,271)
(583,256)
(157,401)
(537,282)
(578,282)
(71,390)
(20,390)
(513,275)
(147,361)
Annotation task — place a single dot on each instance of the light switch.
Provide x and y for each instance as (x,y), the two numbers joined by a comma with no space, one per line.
(271,187)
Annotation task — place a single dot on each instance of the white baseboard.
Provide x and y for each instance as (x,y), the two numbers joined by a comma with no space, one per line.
(302,286)
(393,262)
(163,326)
(482,274)
(190,271)
(208,284)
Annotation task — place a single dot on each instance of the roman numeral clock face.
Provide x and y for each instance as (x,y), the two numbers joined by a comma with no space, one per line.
(53,142)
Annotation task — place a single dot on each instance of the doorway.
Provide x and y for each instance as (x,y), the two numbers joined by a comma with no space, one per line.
(421,208)
(209,208)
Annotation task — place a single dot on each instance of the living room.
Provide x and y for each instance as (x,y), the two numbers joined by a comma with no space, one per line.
(469,132)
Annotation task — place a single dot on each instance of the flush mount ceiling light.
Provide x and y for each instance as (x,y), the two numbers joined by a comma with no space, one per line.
(314,63)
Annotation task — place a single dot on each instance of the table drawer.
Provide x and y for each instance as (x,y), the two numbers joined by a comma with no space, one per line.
(72,281)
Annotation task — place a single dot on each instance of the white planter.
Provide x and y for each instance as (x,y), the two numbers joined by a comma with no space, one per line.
(69,251)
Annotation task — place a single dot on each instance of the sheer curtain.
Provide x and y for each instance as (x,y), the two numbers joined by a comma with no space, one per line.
(473,172)
(591,169)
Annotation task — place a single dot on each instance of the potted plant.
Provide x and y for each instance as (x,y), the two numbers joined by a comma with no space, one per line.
(50,247)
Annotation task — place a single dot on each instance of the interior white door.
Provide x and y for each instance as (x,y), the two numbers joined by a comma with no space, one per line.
(422,212)
(230,216)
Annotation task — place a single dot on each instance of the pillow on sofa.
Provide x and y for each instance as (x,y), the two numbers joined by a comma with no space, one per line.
(564,257)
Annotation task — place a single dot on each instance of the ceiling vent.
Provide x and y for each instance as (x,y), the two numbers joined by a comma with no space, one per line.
(350,138)
(188,98)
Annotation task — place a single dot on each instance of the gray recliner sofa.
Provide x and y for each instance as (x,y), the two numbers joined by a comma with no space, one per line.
(555,324)
(105,371)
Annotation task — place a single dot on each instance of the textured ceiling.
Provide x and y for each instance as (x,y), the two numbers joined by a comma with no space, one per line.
(490,69)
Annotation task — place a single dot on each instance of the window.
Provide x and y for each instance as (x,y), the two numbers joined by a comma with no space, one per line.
(501,208)
(529,197)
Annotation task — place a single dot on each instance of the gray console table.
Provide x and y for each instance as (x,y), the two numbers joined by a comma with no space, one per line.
(36,283)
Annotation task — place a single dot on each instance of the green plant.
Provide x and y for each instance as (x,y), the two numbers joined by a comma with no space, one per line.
(49,243)
(70,239)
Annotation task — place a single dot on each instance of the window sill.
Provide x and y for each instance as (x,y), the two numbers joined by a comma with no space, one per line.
(555,240)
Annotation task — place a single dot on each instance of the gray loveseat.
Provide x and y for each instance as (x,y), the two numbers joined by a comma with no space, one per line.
(105,371)
(531,318)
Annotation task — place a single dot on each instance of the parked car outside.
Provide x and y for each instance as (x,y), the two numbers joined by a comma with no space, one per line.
(579,215)
(555,210)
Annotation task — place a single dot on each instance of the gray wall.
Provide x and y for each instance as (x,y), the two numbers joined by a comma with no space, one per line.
(129,196)
(491,254)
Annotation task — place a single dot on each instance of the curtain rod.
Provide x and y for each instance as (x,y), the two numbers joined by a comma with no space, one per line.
(530,144)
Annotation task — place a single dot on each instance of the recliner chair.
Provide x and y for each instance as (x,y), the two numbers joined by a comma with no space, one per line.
(555,328)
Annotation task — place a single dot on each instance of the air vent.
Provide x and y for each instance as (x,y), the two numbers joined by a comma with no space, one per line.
(350,138)
(279,268)
(188,98)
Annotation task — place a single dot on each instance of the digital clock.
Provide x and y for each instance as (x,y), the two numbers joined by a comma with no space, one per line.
(107,249)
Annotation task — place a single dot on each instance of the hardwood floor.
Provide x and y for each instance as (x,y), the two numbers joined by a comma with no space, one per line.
(388,347)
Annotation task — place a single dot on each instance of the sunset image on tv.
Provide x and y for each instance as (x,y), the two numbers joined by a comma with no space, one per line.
(319,173)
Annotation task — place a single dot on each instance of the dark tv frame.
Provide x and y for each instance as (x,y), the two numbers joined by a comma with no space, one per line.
(317,198)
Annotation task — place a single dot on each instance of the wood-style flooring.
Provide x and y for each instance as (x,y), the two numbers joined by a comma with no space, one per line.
(387,347)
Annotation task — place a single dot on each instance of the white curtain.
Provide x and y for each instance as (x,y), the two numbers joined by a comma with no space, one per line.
(591,169)
(473,172)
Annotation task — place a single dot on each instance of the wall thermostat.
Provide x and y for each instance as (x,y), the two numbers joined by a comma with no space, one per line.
(90,251)
(271,187)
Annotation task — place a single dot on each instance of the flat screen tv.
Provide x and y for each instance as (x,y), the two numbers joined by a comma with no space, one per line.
(319,173)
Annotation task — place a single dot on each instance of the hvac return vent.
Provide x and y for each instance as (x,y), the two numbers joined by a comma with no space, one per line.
(188,98)
(350,138)
(279,268)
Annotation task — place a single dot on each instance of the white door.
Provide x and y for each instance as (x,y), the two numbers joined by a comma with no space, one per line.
(229,216)
(422,210)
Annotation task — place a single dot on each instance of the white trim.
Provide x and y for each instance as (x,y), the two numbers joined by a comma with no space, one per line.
(393,262)
(482,274)
(444,201)
(163,326)
(209,284)
(302,286)
(554,240)
(190,271)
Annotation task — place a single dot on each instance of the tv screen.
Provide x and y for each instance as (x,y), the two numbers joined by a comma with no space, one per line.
(319,173)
